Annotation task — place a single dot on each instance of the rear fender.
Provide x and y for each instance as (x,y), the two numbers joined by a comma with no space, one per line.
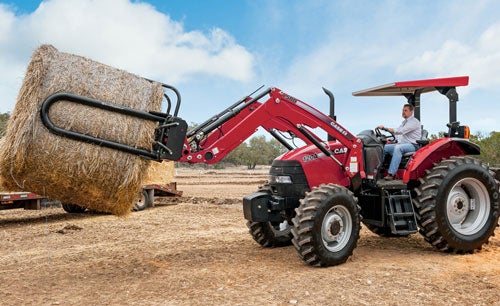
(434,152)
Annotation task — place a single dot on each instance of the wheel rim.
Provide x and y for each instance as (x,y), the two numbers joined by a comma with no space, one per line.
(468,206)
(141,201)
(336,228)
(282,228)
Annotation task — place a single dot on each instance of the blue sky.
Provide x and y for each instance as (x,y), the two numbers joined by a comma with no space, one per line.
(217,51)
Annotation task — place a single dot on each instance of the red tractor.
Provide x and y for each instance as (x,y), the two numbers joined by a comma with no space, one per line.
(319,193)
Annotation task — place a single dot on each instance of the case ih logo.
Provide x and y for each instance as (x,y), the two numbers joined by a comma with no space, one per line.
(340,150)
(339,128)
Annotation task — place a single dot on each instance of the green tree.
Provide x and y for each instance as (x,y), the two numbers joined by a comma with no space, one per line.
(433,137)
(239,155)
(490,148)
(276,149)
(258,151)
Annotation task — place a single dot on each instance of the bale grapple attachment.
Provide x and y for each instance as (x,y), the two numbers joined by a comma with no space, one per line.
(169,134)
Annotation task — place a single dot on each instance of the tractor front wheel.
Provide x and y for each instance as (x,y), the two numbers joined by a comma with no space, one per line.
(267,234)
(457,205)
(326,227)
(270,235)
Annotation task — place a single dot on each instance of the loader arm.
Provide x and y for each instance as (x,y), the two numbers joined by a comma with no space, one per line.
(282,112)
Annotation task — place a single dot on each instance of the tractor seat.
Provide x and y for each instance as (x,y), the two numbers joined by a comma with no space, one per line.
(423,141)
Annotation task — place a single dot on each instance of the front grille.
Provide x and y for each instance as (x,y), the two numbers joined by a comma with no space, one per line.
(291,192)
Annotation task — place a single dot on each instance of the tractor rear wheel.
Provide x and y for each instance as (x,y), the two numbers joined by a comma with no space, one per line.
(326,227)
(457,205)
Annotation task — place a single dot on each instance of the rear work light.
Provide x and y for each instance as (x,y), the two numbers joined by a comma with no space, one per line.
(460,131)
(466,132)
(463,131)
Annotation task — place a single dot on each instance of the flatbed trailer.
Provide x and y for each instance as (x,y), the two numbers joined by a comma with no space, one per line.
(33,201)
(26,200)
(150,191)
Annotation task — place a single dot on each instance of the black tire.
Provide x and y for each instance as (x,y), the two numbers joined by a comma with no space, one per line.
(270,235)
(457,205)
(73,208)
(326,227)
(142,201)
(382,231)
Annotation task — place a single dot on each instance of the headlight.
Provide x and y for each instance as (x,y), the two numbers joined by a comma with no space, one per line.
(280,179)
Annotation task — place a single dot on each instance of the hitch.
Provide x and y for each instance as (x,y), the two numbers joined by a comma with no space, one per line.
(169,134)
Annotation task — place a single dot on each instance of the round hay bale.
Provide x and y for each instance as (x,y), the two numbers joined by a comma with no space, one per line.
(98,178)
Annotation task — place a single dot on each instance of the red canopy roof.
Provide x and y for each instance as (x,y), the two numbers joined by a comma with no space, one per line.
(409,87)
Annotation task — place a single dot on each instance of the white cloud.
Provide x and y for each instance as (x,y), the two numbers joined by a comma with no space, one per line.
(479,59)
(6,20)
(128,35)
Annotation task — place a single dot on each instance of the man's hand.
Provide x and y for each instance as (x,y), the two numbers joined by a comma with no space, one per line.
(390,130)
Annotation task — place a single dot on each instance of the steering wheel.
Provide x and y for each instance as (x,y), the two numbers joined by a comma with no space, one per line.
(384,137)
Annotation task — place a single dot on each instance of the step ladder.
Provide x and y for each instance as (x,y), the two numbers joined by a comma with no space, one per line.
(401,216)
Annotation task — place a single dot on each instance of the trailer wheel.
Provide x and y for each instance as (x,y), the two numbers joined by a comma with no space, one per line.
(269,235)
(73,208)
(326,227)
(457,205)
(142,201)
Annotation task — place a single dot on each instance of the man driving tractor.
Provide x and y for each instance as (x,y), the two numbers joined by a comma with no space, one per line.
(407,135)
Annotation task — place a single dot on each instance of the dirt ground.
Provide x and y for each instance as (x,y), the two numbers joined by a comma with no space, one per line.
(198,251)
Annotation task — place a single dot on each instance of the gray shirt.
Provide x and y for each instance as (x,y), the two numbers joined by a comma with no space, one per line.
(409,131)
